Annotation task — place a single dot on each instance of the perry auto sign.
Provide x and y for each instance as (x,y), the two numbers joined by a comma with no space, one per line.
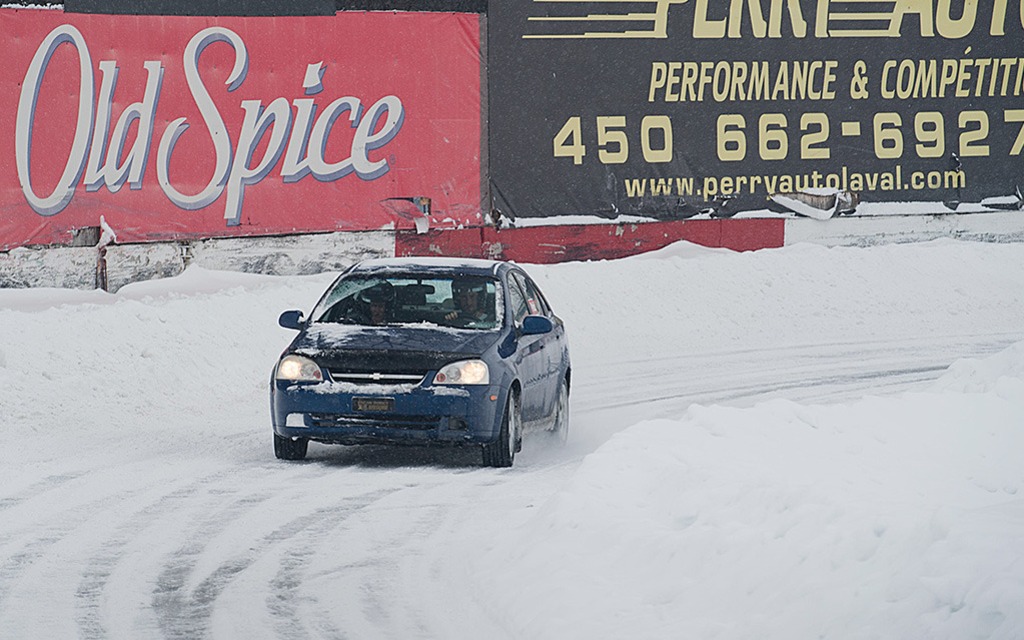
(660,106)
(177,127)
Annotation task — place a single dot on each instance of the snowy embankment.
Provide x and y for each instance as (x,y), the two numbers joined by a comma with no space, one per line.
(883,518)
(764,445)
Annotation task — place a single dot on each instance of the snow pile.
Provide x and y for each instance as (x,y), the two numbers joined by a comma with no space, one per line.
(1002,373)
(883,518)
(694,298)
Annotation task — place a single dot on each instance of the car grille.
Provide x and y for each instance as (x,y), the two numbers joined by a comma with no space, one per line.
(377,366)
(355,377)
(416,422)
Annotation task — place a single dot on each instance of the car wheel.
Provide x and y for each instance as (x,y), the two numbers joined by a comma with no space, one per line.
(288,449)
(560,424)
(502,451)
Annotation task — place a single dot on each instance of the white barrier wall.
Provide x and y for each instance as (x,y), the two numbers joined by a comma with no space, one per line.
(76,267)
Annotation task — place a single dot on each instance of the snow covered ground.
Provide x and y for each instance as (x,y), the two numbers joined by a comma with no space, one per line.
(795,443)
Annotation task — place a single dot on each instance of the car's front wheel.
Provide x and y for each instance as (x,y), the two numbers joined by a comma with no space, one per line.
(289,449)
(502,451)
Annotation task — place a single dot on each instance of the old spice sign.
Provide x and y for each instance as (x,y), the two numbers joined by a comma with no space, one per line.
(306,137)
(267,125)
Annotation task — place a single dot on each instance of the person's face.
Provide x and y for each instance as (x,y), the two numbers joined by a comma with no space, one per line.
(469,299)
(377,312)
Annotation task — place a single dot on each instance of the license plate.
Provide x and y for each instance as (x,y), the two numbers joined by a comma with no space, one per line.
(373,404)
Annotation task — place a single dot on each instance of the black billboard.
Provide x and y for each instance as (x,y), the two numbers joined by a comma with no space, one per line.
(666,107)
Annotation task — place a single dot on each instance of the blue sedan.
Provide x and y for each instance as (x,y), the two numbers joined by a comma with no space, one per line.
(423,351)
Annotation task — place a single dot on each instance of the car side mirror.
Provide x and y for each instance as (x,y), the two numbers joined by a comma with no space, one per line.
(533,325)
(291,319)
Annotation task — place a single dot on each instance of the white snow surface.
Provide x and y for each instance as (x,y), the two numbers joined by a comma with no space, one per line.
(805,442)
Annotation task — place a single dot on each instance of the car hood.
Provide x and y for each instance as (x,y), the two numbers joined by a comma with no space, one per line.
(395,348)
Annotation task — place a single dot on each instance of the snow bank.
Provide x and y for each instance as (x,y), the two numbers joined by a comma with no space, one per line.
(883,518)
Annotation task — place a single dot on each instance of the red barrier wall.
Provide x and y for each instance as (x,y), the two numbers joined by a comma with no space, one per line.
(562,243)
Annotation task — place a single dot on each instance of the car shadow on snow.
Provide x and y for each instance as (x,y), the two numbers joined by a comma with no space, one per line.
(539,450)
(390,457)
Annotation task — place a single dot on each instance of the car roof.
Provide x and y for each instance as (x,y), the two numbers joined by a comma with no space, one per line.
(432,265)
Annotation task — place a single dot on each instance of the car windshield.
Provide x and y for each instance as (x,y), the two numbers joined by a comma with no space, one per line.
(379,300)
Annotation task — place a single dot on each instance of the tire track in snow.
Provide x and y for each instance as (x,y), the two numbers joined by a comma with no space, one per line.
(284,599)
(827,371)
(712,390)
(186,614)
(393,581)
(402,546)
(59,525)
(97,574)
(33,491)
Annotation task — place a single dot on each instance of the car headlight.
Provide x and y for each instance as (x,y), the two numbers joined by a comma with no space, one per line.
(299,369)
(464,372)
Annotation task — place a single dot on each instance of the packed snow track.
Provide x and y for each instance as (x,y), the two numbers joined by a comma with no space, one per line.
(140,497)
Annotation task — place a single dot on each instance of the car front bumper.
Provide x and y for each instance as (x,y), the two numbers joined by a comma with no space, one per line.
(423,414)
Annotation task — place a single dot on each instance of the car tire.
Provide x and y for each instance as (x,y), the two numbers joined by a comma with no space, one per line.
(560,423)
(288,449)
(502,452)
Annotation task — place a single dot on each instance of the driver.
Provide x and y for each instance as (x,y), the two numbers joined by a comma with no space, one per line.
(376,301)
(469,302)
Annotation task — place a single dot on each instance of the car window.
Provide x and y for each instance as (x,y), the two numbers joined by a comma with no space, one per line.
(520,308)
(535,303)
(543,302)
(402,299)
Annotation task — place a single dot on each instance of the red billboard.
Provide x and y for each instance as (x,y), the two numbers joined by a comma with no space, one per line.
(174,127)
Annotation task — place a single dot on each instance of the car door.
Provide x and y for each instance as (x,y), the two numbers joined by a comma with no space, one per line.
(530,357)
(553,343)
(543,395)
